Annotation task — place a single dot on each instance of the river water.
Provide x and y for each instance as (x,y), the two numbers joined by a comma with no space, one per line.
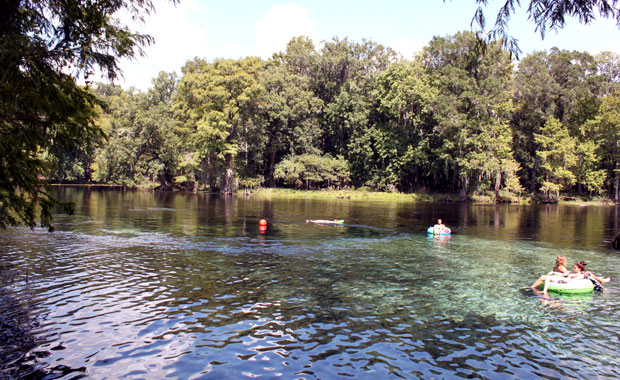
(149,285)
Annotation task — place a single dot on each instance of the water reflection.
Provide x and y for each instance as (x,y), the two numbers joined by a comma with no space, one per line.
(150,285)
(439,241)
(197,214)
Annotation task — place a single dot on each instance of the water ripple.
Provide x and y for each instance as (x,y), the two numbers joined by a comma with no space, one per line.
(152,305)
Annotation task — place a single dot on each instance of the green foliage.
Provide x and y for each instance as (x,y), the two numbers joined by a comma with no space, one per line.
(558,158)
(142,144)
(535,92)
(397,145)
(565,86)
(217,106)
(347,73)
(609,72)
(361,194)
(250,183)
(472,110)
(289,111)
(43,112)
(456,117)
(311,170)
(453,118)
(586,169)
(604,130)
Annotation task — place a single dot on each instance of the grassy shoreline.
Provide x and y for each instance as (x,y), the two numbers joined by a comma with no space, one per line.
(413,197)
(343,194)
(366,195)
(363,195)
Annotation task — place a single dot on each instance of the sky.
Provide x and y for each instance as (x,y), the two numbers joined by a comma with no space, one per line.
(212,29)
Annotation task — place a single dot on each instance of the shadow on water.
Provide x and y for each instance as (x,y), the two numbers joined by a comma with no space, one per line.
(20,357)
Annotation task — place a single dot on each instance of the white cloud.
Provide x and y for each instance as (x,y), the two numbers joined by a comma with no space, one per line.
(407,48)
(176,41)
(280,24)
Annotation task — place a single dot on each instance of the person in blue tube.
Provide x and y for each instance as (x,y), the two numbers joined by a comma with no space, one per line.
(438,228)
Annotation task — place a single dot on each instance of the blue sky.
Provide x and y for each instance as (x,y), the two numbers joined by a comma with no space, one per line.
(238,28)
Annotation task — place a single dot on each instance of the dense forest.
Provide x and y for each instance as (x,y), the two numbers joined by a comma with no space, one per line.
(459,117)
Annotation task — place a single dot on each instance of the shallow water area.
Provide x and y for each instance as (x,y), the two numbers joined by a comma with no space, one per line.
(165,285)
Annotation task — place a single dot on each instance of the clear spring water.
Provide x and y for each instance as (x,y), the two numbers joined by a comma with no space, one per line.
(149,285)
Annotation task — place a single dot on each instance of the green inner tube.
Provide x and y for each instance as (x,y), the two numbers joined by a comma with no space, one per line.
(571,286)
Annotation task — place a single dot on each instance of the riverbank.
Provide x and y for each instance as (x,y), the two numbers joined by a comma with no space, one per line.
(417,197)
(361,194)
(356,195)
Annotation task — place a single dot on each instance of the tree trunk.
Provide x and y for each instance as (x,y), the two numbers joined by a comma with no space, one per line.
(617,192)
(272,161)
(498,183)
(229,187)
(195,184)
(533,174)
(88,174)
(229,182)
(207,172)
(203,175)
(465,188)
(453,183)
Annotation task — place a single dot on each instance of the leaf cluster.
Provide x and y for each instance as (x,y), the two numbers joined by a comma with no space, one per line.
(547,15)
(44,113)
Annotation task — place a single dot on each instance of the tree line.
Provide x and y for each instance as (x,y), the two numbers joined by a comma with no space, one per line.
(458,117)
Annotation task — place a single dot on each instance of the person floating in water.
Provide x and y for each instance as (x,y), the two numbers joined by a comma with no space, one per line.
(558,270)
(582,266)
(561,274)
(438,228)
(578,273)
(323,221)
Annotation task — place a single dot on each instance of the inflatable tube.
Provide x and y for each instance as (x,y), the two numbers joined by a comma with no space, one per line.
(575,296)
(571,286)
(444,231)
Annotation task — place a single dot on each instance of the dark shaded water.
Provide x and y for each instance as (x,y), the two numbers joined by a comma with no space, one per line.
(158,285)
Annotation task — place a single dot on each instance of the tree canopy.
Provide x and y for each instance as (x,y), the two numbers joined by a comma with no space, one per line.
(349,114)
(44,46)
